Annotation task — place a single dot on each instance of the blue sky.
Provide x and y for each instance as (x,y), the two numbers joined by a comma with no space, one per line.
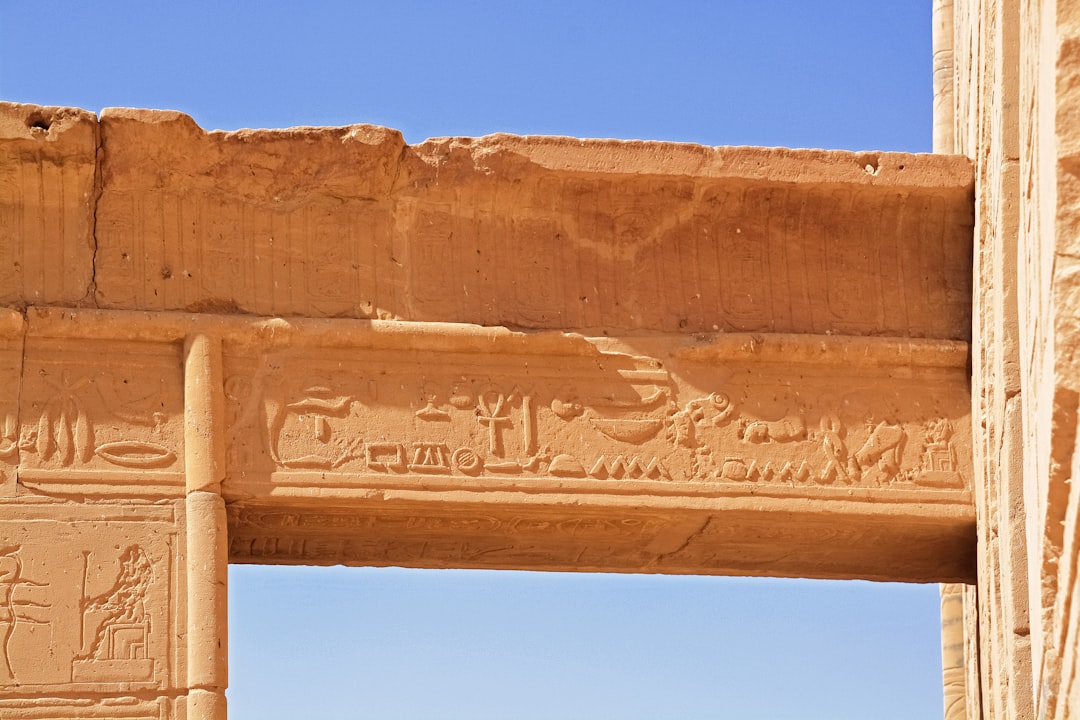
(397,644)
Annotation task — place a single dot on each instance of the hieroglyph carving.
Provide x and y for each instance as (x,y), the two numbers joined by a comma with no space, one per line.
(22,603)
(88,598)
(116,625)
(612,417)
(101,408)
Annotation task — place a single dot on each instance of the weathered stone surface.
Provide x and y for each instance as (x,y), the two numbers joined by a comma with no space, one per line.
(988,132)
(532,353)
(524,232)
(94,602)
(1015,113)
(48,186)
(439,426)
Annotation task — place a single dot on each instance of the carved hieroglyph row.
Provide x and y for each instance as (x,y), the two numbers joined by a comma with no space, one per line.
(96,411)
(487,408)
(379,417)
(433,446)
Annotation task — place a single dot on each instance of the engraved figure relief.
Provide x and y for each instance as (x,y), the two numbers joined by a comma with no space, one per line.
(431,260)
(399,417)
(617,413)
(837,465)
(535,246)
(739,247)
(818,447)
(632,420)
(116,626)
(432,410)
(491,412)
(239,411)
(9,441)
(23,602)
(9,453)
(90,600)
(62,427)
(713,410)
(566,405)
(495,412)
(939,466)
(879,456)
(430,457)
(787,429)
(467,461)
(851,268)
(385,457)
(632,467)
(333,270)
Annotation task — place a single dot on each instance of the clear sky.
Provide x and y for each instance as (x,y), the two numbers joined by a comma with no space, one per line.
(396,644)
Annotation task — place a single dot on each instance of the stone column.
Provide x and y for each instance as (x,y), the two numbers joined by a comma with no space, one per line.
(944,77)
(953,651)
(207,544)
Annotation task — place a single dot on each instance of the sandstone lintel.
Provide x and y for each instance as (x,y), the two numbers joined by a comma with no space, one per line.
(524,232)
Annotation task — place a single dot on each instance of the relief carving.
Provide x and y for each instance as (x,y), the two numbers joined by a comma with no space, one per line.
(115,624)
(23,602)
(875,453)
(86,597)
(301,425)
(65,431)
(618,418)
(127,415)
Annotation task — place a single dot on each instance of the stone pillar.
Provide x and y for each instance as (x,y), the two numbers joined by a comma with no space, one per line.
(944,77)
(953,651)
(207,543)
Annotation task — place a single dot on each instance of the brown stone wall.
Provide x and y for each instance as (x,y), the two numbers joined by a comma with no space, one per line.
(1016,111)
(986,58)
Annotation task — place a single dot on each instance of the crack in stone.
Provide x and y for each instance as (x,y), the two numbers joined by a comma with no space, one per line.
(99,154)
(694,535)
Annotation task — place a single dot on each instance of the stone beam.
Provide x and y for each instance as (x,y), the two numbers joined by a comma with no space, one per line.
(449,445)
(543,233)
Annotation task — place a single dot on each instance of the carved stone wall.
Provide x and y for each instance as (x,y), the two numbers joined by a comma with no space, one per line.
(1015,114)
(112,552)
(326,346)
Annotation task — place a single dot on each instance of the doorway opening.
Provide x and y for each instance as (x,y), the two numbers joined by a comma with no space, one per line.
(400,644)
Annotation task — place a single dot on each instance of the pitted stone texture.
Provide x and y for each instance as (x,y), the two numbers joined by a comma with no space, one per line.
(531,232)
(48,166)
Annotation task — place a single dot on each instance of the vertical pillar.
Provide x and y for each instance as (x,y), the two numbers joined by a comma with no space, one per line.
(944,76)
(207,544)
(953,651)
